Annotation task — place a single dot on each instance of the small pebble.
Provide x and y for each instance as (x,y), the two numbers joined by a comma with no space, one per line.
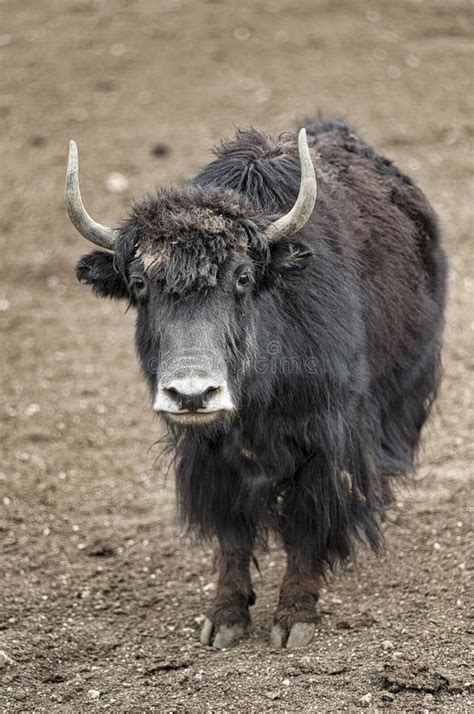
(272,695)
(5,659)
(117,49)
(105,85)
(160,150)
(93,693)
(241,33)
(366,699)
(116,182)
(38,140)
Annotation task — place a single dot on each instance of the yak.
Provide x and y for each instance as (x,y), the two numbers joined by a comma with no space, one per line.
(289,309)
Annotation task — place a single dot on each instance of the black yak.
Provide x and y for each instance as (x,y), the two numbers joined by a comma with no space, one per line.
(289,305)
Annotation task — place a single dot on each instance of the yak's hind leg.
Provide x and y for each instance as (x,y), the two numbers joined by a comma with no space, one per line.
(228,618)
(297,611)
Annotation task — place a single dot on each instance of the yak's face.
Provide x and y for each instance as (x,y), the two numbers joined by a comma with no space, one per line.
(194,264)
(193,345)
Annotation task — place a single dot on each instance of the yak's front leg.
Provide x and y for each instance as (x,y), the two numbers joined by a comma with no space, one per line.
(297,612)
(228,618)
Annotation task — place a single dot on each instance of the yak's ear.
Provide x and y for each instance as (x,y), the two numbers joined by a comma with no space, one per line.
(289,255)
(98,269)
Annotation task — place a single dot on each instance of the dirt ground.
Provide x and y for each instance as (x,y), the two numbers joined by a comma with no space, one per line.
(101,598)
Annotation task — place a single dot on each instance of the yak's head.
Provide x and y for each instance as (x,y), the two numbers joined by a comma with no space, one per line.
(194,262)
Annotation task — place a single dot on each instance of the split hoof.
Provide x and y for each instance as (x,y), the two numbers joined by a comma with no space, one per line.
(277,637)
(221,638)
(300,635)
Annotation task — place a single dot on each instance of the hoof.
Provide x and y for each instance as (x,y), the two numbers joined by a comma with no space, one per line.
(277,637)
(225,636)
(206,632)
(301,634)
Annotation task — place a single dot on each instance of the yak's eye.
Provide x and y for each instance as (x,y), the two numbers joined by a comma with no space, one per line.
(243,281)
(137,283)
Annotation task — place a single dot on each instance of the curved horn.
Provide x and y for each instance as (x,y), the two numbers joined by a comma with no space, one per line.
(87,227)
(294,221)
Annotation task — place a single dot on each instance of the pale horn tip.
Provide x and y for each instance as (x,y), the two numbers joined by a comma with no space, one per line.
(302,136)
(72,147)
(73,157)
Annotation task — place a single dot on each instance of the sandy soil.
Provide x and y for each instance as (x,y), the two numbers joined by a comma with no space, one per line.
(101,599)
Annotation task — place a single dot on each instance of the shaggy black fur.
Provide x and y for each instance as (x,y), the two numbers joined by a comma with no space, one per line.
(333,353)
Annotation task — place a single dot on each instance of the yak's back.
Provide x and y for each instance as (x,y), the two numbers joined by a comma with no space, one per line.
(338,145)
(267,170)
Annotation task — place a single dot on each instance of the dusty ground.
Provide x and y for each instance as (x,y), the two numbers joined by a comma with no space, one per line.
(101,599)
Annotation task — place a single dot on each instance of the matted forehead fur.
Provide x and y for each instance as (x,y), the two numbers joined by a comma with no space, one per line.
(184,237)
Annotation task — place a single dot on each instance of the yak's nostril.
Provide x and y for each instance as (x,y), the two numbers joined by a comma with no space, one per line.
(172,393)
(174,396)
(210,391)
